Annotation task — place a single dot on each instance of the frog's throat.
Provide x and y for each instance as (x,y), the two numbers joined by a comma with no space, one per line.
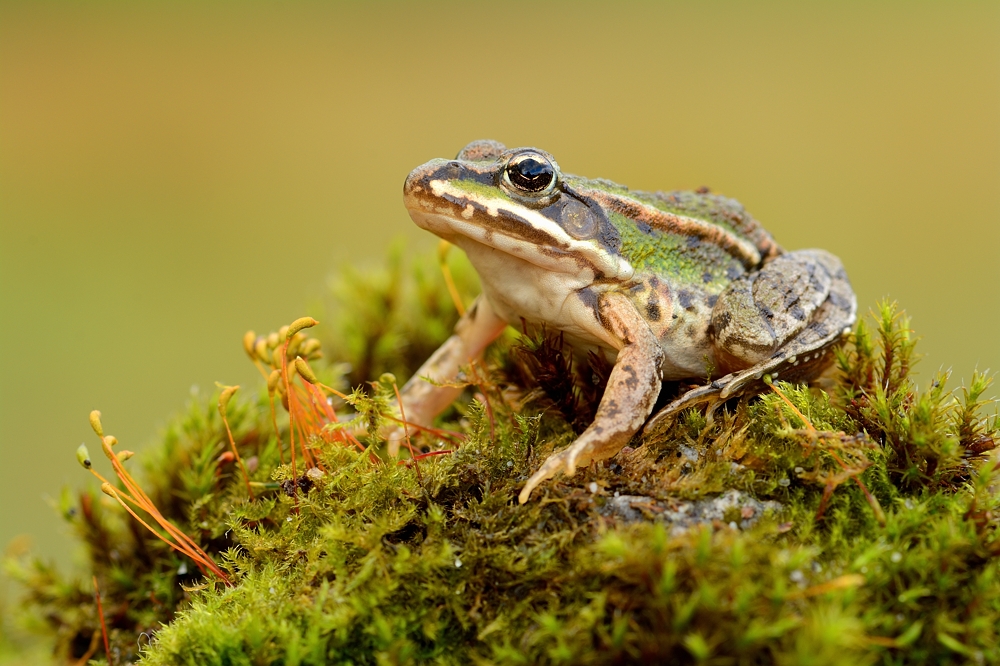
(512,229)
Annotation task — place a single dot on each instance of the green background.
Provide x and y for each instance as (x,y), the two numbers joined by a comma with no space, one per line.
(173,175)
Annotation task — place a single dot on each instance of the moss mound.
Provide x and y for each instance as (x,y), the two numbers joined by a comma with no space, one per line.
(853,522)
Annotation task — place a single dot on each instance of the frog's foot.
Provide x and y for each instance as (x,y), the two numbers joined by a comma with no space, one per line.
(582,452)
(709,394)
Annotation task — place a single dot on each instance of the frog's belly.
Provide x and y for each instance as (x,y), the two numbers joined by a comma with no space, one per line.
(518,289)
(688,352)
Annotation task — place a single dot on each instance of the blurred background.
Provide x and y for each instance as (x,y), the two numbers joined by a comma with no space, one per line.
(173,175)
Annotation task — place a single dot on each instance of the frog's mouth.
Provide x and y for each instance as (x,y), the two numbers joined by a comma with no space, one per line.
(462,214)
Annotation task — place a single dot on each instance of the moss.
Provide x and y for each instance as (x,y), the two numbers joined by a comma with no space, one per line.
(850,524)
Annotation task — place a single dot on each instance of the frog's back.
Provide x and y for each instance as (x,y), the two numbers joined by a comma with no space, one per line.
(726,212)
(688,213)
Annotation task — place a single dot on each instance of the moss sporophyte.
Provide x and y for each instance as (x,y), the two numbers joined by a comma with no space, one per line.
(850,522)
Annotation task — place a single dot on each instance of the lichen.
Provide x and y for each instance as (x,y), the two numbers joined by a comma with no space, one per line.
(851,522)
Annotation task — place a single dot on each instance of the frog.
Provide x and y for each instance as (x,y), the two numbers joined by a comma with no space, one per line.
(680,286)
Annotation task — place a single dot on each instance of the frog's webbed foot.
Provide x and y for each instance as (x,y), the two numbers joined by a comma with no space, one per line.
(783,321)
(632,390)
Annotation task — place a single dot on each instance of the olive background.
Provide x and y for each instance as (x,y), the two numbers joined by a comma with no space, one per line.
(172,175)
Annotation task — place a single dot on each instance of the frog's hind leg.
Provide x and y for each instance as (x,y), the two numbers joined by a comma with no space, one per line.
(782,321)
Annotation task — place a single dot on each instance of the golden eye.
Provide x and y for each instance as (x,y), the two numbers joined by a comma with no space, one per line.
(530,173)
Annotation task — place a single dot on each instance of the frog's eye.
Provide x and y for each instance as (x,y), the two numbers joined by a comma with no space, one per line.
(530,173)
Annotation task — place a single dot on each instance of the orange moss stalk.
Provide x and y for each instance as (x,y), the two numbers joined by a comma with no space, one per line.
(272,386)
(443,248)
(100,615)
(406,432)
(295,413)
(227,393)
(135,496)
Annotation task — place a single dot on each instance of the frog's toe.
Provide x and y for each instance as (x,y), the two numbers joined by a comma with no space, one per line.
(578,454)
(564,461)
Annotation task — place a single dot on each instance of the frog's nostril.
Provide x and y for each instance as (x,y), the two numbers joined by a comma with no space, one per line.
(452,171)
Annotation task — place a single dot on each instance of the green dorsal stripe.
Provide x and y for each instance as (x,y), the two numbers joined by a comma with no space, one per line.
(681,225)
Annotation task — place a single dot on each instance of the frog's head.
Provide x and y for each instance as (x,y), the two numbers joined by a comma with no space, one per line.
(517,202)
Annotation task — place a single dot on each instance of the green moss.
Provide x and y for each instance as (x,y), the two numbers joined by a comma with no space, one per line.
(864,533)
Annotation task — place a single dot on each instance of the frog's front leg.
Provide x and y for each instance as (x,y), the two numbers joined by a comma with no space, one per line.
(423,400)
(779,322)
(632,390)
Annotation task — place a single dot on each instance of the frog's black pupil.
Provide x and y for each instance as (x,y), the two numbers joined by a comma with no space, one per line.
(531,174)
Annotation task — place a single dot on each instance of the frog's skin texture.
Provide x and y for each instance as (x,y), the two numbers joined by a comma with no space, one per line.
(682,285)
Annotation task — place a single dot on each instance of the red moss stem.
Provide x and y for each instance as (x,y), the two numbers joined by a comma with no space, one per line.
(100,614)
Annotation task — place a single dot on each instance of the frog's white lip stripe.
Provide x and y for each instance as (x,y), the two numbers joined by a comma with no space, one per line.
(451,219)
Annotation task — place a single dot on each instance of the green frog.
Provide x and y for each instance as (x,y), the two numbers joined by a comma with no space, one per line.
(668,286)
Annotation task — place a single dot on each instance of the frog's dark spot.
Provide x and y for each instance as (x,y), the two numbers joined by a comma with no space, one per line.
(765,311)
(819,329)
(632,380)
(644,228)
(686,299)
(610,409)
(798,313)
(706,277)
(721,321)
(839,301)
(690,331)
(733,272)
(712,300)
(693,241)
(589,298)
(653,309)
(654,282)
